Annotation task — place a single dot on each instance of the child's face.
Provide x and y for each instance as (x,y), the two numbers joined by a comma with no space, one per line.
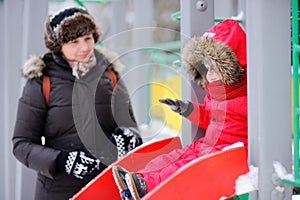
(212,74)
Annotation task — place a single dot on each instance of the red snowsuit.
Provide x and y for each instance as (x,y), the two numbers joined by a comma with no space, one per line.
(223,114)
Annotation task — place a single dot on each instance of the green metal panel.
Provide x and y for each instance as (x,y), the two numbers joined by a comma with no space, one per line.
(240,197)
(295,53)
(295,62)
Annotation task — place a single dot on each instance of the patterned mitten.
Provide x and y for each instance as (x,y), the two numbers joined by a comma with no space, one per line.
(77,163)
(125,139)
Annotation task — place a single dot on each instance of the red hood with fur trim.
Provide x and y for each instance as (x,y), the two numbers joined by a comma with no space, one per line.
(230,33)
(222,46)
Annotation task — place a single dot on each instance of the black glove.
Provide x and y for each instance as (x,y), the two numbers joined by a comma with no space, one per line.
(126,140)
(77,163)
(176,105)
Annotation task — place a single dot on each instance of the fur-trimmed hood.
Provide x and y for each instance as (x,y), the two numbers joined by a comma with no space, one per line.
(34,66)
(223,47)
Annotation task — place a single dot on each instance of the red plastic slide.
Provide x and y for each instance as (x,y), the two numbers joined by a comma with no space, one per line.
(103,186)
(207,178)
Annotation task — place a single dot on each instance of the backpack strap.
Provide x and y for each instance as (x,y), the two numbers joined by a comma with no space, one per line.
(46,83)
(46,87)
(113,77)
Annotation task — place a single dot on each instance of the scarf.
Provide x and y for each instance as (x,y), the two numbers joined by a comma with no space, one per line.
(80,69)
(219,91)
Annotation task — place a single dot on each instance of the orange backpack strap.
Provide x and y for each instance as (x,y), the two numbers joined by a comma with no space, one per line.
(113,77)
(46,87)
(46,83)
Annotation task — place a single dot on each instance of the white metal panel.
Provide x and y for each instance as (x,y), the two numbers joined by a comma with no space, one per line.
(269,91)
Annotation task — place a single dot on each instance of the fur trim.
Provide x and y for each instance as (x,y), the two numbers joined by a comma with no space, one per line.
(70,28)
(112,57)
(33,67)
(202,50)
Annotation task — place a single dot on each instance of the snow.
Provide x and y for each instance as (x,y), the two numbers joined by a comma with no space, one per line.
(247,182)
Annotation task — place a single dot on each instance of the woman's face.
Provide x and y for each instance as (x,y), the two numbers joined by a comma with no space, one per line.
(212,74)
(80,49)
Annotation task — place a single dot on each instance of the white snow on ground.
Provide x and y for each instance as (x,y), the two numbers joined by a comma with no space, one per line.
(247,182)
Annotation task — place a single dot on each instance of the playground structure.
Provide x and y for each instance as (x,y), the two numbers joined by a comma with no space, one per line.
(267,24)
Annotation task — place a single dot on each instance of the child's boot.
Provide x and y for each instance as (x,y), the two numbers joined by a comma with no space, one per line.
(119,176)
(136,185)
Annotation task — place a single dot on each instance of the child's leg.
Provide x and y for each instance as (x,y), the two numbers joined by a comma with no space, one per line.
(164,165)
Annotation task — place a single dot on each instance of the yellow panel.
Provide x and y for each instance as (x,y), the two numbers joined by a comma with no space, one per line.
(167,88)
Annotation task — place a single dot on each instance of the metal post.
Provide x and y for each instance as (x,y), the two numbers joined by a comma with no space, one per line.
(196,17)
(141,38)
(21,36)
(118,23)
(2,116)
(10,88)
(32,43)
(226,8)
(269,92)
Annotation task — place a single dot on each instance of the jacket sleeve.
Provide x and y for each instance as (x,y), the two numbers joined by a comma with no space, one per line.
(200,115)
(123,110)
(28,131)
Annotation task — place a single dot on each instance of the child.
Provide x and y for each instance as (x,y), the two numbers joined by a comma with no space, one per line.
(216,61)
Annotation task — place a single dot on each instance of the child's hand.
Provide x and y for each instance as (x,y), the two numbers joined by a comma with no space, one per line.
(176,105)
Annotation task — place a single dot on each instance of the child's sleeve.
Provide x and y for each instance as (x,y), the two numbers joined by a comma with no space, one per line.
(200,115)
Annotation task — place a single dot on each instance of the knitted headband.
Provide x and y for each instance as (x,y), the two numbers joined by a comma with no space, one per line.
(67,25)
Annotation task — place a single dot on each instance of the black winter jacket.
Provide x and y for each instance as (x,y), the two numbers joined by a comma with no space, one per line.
(81,115)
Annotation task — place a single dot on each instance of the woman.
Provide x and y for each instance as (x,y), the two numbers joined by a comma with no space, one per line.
(87,122)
